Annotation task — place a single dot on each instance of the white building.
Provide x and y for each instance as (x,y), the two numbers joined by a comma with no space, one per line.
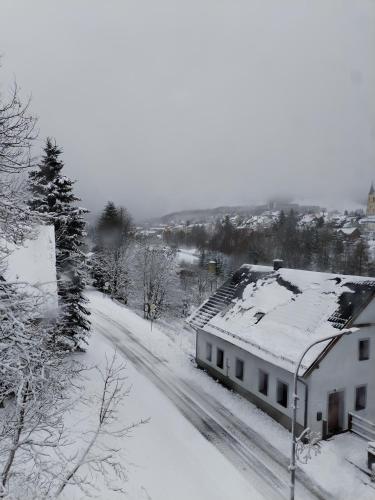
(251,333)
(33,265)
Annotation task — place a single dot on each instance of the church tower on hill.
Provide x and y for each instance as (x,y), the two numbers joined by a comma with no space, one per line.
(371,201)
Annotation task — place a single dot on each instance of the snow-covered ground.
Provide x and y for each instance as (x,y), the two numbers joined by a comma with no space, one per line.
(187,256)
(167,459)
(203,441)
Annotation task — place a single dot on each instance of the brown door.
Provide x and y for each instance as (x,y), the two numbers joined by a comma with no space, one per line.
(335,412)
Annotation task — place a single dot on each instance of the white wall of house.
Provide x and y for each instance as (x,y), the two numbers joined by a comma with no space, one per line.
(367,316)
(341,369)
(34,263)
(250,382)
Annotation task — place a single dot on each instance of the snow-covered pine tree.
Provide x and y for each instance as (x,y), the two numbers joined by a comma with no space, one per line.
(52,196)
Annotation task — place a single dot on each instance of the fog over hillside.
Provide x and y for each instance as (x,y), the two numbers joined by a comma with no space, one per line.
(163,106)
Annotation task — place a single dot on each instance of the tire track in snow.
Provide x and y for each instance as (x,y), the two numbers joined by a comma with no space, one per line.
(264,448)
(264,480)
(241,445)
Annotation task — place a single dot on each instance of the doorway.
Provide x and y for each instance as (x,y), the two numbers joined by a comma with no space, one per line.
(335,412)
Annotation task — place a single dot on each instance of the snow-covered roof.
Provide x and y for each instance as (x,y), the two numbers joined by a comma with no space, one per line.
(298,307)
(367,219)
(347,230)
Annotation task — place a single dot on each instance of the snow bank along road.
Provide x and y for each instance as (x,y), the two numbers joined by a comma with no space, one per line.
(258,461)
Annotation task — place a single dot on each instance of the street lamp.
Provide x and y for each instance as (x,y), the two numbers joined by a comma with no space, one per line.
(292,466)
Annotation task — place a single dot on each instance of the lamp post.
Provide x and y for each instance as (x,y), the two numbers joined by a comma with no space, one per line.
(292,466)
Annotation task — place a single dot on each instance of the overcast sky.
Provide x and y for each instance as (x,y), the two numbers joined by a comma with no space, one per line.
(162,105)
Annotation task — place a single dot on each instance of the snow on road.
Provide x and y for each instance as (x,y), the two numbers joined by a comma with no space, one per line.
(168,459)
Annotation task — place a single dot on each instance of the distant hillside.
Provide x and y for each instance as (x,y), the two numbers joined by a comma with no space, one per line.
(201,215)
(209,214)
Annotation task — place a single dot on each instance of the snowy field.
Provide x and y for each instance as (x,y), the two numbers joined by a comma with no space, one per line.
(187,256)
(202,441)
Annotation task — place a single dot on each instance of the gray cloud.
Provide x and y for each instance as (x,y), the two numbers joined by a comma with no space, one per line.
(162,105)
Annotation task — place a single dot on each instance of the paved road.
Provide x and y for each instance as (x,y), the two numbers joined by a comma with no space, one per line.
(263,465)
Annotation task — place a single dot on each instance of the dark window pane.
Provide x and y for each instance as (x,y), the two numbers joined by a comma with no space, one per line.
(282,394)
(258,316)
(220,358)
(239,369)
(364,350)
(208,351)
(360,397)
(263,382)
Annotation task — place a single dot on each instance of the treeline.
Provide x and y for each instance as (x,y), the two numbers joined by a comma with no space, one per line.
(143,272)
(131,269)
(319,247)
(39,379)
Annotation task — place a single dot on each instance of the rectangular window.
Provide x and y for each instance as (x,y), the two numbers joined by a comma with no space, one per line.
(364,349)
(220,358)
(208,351)
(263,382)
(282,394)
(360,397)
(239,369)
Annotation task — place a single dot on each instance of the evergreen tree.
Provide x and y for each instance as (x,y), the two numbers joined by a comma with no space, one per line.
(228,236)
(109,221)
(114,226)
(111,263)
(358,258)
(52,196)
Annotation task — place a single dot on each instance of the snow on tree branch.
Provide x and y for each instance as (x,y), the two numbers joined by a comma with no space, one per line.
(98,455)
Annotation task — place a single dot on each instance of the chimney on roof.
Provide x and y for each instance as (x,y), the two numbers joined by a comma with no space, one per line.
(277,264)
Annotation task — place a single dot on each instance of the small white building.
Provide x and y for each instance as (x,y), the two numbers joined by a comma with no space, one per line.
(251,333)
(32,265)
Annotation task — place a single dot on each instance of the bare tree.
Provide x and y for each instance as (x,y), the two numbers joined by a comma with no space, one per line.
(34,379)
(16,221)
(308,445)
(157,267)
(98,456)
(37,389)
(114,267)
(17,132)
